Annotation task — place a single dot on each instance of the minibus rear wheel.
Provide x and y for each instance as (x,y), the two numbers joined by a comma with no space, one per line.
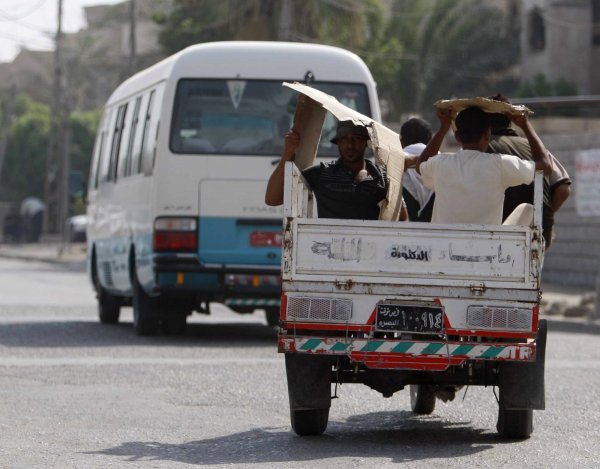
(145,309)
(109,306)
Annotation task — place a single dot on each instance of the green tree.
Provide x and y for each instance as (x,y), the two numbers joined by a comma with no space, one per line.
(24,167)
(458,48)
(346,23)
(24,170)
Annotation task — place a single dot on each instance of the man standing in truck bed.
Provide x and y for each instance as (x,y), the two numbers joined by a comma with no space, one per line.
(557,186)
(470,184)
(351,187)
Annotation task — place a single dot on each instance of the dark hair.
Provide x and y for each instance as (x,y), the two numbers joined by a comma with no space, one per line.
(499,121)
(415,130)
(471,124)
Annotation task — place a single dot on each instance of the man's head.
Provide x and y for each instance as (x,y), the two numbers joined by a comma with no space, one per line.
(415,130)
(346,128)
(472,128)
(351,140)
(499,121)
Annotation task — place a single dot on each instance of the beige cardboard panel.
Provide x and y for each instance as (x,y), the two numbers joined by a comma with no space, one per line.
(388,152)
(331,104)
(308,122)
(488,105)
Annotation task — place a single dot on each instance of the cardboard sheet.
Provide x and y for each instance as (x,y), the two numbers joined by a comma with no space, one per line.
(488,105)
(385,143)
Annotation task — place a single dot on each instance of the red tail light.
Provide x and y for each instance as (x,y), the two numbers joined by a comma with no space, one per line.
(175,234)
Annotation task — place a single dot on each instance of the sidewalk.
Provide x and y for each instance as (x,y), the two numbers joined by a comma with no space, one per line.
(559,302)
(72,255)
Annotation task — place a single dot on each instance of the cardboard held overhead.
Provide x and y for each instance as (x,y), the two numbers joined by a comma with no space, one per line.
(311,108)
(488,105)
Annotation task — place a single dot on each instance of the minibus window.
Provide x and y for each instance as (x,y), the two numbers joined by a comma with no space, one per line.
(145,131)
(151,133)
(116,143)
(104,159)
(133,128)
(247,117)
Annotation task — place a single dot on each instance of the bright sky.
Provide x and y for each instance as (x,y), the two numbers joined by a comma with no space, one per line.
(32,23)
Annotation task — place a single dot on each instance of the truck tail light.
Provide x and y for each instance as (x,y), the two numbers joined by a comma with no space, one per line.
(175,234)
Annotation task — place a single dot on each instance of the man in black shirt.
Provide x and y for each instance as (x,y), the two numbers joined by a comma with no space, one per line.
(350,187)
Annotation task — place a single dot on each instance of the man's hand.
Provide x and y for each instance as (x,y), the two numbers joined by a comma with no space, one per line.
(291,142)
(445,116)
(539,154)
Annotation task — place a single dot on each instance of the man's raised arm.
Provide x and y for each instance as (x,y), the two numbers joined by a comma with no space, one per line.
(274,193)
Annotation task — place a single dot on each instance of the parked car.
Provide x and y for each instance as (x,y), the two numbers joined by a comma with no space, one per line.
(77,226)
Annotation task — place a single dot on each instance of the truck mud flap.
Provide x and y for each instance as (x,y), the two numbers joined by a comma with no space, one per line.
(522,384)
(309,381)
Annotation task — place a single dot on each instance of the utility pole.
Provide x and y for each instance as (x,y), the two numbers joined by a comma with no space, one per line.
(55,168)
(6,121)
(132,43)
(285,20)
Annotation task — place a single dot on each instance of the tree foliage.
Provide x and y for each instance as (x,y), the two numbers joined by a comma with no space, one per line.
(419,51)
(458,48)
(337,22)
(24,170)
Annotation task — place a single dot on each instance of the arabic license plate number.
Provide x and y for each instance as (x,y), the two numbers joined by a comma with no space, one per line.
(409,318)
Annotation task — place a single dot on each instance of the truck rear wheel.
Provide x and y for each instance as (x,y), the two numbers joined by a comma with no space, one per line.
(515,424)
(309,390)
(422,399)
(309,422)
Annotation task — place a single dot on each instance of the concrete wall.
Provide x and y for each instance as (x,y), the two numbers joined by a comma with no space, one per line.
(574,257)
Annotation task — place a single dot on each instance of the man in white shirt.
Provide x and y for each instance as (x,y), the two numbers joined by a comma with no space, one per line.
(470,184)
(415,133)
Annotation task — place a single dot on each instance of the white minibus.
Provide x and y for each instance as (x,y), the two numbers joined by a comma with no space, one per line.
(176,209)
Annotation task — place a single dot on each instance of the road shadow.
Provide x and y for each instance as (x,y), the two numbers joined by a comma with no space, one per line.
(93,334)
(399,436)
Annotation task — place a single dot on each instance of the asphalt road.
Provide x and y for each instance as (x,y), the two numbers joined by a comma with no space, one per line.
(78,394)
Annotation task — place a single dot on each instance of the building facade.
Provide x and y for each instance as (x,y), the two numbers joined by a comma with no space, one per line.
(560,39)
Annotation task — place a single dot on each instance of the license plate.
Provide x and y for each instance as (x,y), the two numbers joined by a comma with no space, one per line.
(265,238)
(409,318)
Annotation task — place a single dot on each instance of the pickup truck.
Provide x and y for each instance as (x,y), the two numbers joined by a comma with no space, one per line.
(394,305)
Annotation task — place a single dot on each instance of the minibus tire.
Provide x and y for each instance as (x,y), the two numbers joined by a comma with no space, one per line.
(272,316)
(145,310)
(109,306)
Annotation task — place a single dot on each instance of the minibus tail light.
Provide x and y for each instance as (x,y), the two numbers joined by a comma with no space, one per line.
(175,234)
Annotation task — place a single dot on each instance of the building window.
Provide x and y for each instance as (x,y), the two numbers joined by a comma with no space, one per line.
(537,30)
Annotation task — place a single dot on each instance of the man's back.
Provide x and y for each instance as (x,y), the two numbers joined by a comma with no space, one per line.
(470,185)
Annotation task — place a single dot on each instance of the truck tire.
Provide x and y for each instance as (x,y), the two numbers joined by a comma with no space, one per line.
(515,424)
(309,422)
(174,323)
(422,399)
(145,310)
(109,306)
(272,315)
(309,390)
